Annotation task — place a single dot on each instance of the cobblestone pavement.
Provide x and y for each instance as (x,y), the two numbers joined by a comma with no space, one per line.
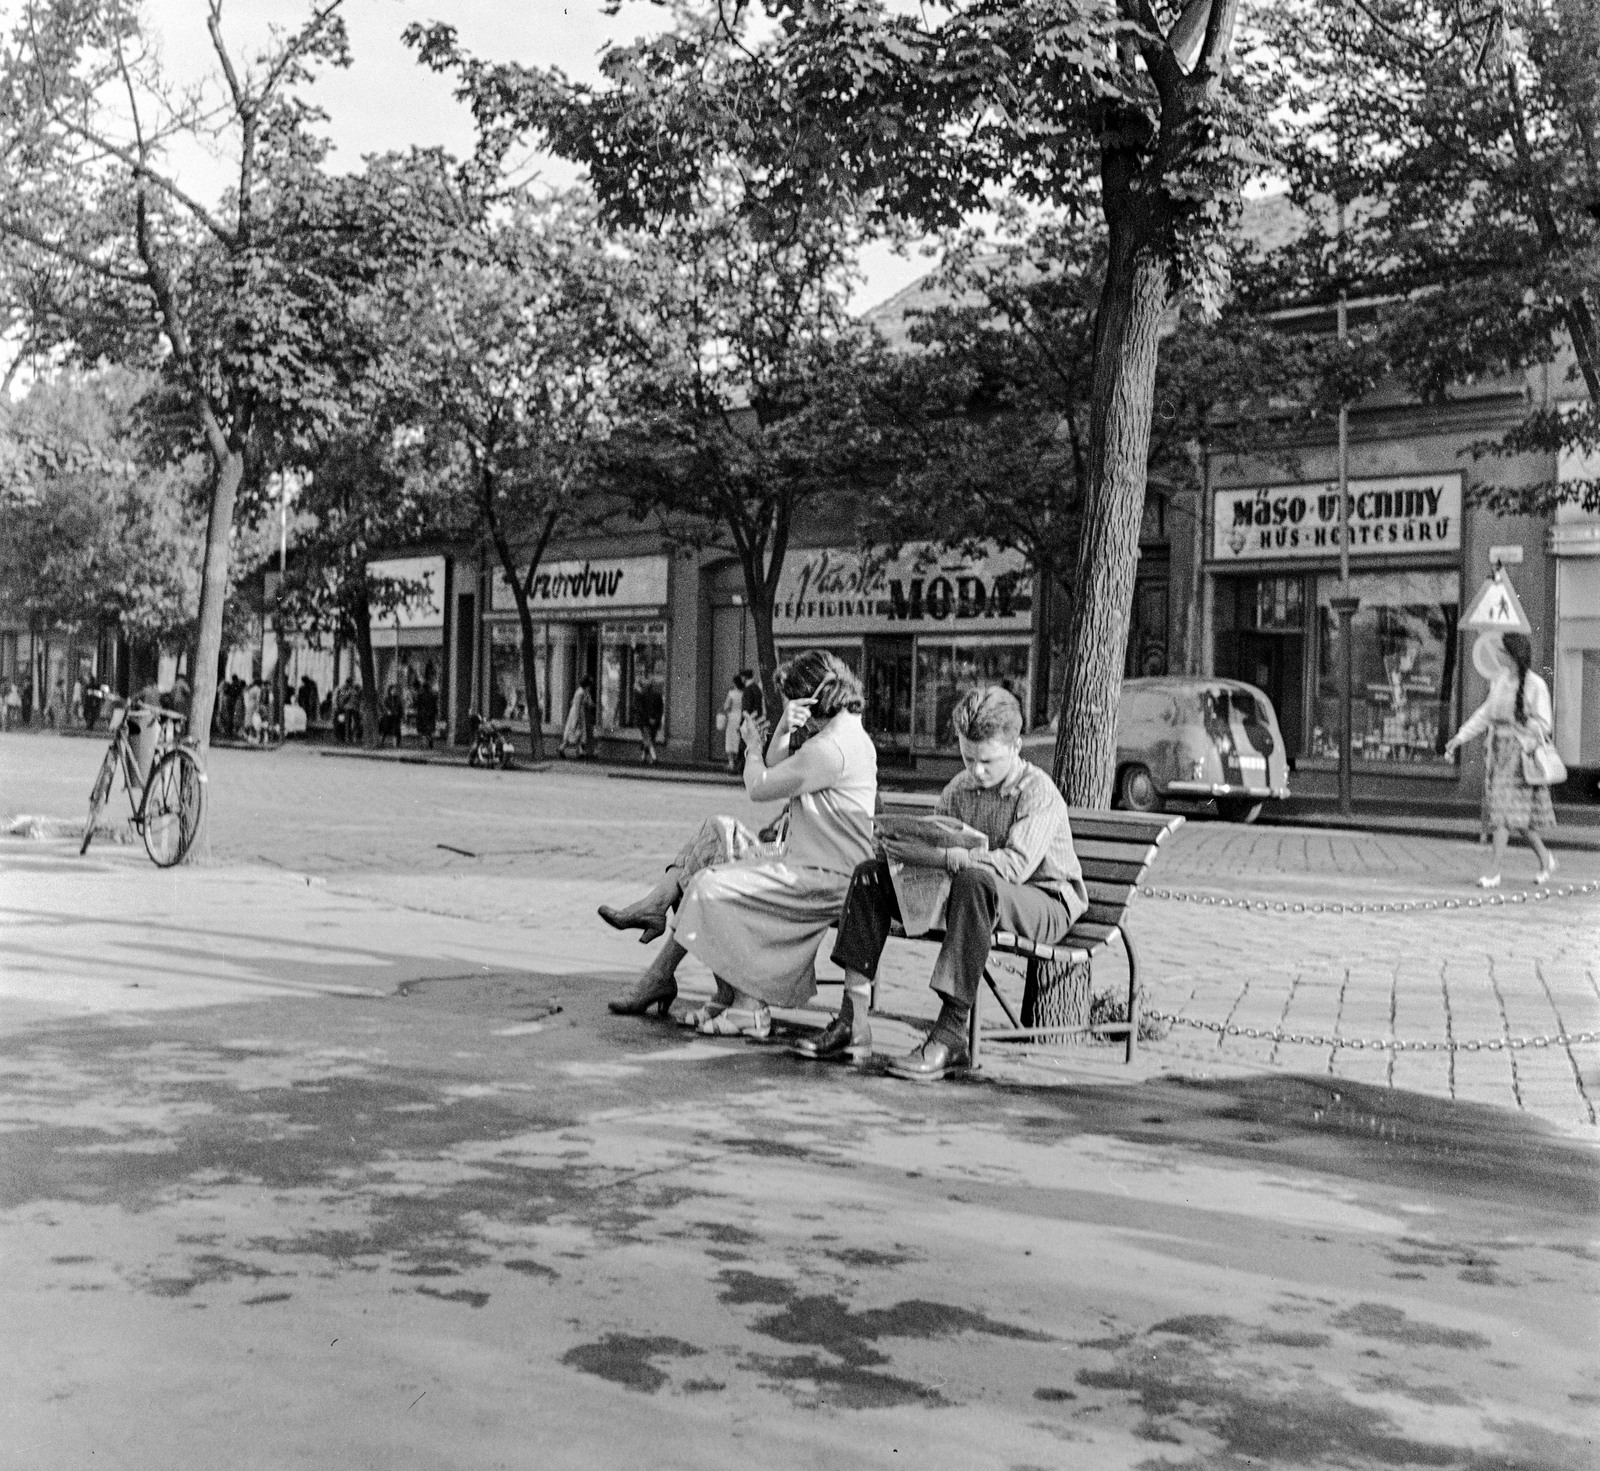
(537,850)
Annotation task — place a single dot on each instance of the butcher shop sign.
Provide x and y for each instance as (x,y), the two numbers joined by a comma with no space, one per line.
(1399,514)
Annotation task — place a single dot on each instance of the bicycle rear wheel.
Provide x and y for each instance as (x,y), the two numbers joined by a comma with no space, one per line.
(170,812)
(98,795)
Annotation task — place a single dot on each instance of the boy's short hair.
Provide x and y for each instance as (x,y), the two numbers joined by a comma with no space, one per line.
(988,713)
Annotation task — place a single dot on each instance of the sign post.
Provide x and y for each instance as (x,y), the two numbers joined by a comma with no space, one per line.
(1345,604)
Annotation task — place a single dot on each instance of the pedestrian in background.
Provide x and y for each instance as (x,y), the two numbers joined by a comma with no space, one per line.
(252,709)
(752,703)
(648,710)
(1516,718)
(389,720)
(13,705)
(577,736)
(728,720)
(347,712)
(427,712)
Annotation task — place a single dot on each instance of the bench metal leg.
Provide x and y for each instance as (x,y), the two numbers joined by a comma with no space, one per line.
(1133,990)
(1005,1005)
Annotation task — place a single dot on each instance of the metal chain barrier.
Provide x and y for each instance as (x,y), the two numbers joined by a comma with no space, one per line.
(1373,1044)
(1377,906)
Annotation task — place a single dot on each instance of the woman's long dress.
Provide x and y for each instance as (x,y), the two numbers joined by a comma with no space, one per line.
(1512,803)
(575,734)
(758,923)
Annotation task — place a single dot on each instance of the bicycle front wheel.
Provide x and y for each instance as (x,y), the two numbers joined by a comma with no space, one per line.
(98,796)
(170,812)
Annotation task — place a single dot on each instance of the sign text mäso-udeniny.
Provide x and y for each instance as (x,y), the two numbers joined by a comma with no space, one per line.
(1411,513)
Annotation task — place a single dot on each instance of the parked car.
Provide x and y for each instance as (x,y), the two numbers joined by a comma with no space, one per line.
(1191,740)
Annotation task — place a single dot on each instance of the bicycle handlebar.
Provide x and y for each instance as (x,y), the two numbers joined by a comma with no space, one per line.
(136,707)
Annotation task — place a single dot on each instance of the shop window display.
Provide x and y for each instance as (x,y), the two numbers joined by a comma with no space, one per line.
(946,671)
(507,698)
(632,656)
(1404,675)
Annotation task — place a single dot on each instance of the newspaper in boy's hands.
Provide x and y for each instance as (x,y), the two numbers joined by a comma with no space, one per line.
(922,892)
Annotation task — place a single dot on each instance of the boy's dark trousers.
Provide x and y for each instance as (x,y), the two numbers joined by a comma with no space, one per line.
(980,903)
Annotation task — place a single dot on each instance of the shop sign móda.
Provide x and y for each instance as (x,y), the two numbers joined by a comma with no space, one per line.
(589,585)
(843,590)
(424,578)
(1394,515)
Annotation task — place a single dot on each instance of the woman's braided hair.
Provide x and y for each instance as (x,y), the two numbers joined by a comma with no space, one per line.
(1521,651)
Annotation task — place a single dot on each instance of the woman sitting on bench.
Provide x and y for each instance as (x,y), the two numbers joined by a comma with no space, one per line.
(757,921)
(1028,882)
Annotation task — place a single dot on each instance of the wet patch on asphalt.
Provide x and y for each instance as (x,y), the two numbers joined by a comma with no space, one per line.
(1194,1374)
(853,1376)
(628,1360)
(1379,1320)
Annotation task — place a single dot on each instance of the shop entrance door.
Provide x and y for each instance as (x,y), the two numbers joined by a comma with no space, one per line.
(575,650)
(886,666)
(461,670)
(733,647)
(1275,664)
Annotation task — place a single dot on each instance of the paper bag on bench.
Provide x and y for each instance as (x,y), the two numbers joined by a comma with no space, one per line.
(922,892)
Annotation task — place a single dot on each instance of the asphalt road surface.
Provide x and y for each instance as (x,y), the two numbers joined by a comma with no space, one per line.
(334,1157)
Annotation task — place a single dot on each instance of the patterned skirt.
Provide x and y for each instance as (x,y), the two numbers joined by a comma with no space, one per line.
(1513,804)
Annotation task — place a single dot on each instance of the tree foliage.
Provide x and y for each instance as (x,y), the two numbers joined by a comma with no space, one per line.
(872,113)
(235,303)
(1447,158)
(90,532)
(506,349)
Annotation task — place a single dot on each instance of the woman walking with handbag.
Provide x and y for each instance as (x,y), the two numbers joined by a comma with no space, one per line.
(1518,721)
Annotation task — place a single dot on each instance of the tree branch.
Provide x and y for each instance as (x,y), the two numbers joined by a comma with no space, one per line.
(19,231)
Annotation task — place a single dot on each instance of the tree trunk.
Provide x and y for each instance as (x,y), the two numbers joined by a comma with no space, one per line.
(766,646)
(213,596)
(1131,303)
(530,670)
(361,621)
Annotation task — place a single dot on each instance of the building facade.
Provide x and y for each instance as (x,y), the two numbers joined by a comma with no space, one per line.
(1419,550)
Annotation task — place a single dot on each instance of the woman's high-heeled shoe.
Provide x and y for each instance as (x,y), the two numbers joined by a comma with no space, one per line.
(653,922)
(1489,881)
(647,994)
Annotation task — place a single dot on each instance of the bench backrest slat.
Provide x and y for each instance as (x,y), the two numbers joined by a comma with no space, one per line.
(1120,826)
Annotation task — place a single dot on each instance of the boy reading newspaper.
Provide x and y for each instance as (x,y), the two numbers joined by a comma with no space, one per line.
(1024,877)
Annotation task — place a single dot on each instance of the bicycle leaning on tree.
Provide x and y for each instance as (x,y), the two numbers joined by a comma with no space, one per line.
(167,801)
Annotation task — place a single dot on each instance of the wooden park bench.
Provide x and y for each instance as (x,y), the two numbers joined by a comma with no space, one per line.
(1115,849)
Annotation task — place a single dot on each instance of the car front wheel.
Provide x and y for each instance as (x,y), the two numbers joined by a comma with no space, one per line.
(1137,790)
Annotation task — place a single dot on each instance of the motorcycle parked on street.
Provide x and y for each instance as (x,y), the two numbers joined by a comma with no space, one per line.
(490,744)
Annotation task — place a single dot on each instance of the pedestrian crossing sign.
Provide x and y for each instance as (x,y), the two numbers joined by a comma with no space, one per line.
(1496,608)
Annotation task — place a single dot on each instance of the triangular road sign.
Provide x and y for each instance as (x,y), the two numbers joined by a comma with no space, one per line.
(1496,608)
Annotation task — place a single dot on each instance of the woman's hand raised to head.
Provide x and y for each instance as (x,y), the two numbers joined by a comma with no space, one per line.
(795,714)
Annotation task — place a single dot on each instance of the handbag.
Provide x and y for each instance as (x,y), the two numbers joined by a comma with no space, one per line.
(722,719)
(1543,766)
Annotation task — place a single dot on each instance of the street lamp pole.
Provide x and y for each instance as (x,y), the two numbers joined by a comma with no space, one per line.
(1344,605)
(283,567)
